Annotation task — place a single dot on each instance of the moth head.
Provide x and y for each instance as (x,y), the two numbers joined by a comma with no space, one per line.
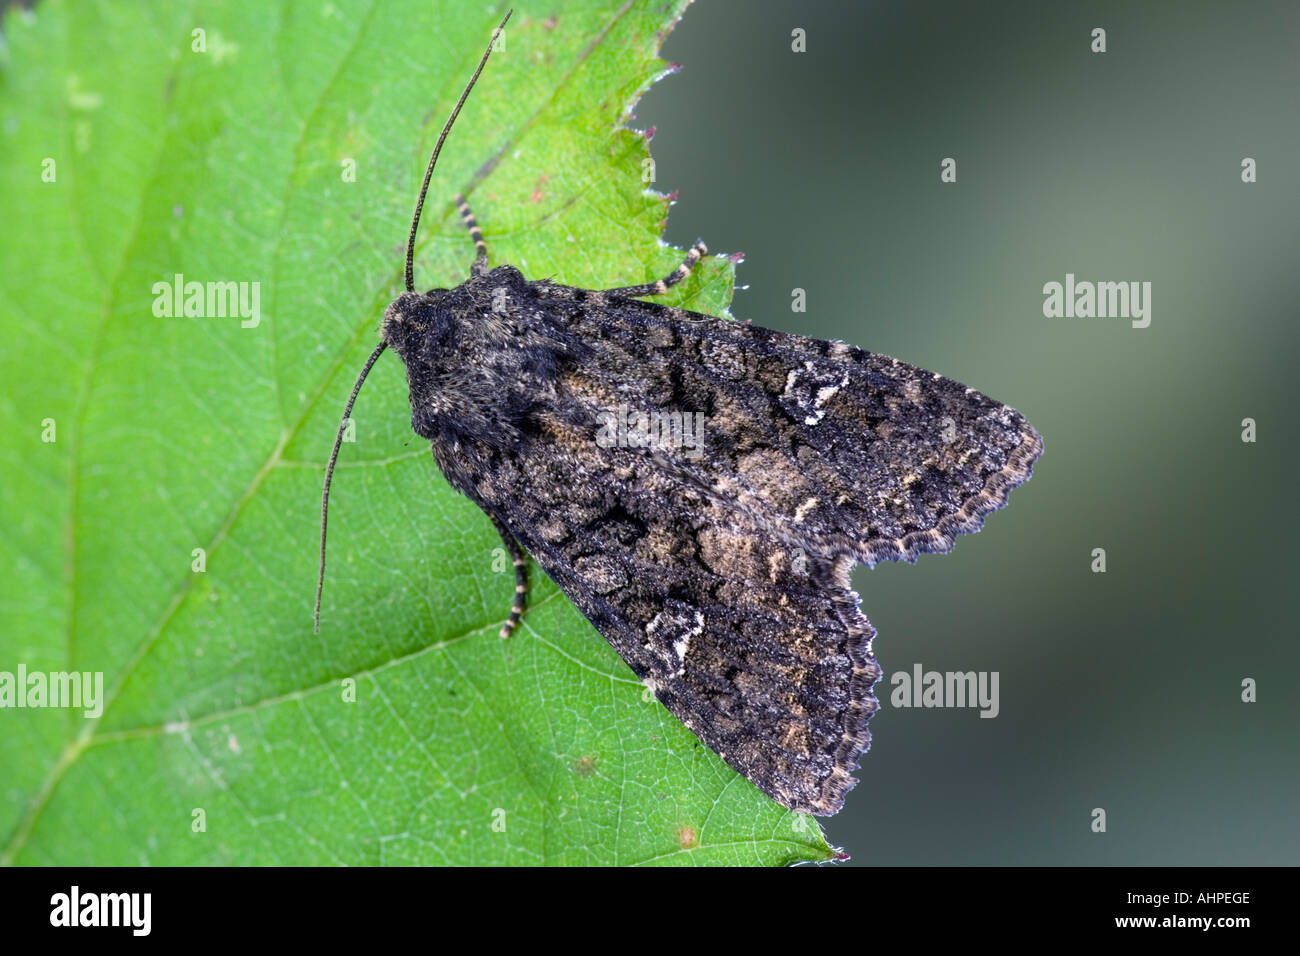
(413,321)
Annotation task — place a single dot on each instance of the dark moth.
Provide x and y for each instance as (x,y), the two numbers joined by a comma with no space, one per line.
(715,560)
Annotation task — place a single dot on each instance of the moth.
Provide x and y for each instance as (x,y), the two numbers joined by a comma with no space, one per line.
(699,488)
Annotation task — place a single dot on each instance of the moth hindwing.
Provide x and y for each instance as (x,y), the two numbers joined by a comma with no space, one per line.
(700,489)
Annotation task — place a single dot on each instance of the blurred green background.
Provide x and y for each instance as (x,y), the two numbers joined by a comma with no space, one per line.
(1118,690)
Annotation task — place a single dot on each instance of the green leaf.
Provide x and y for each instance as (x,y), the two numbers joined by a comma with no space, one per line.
(221,708)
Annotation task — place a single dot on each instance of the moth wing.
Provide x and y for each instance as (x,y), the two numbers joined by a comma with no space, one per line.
(756,646)
(853,449)
(719,568)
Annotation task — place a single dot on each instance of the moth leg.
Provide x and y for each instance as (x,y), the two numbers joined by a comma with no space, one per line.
(521,578)
(696,252)
(480,266)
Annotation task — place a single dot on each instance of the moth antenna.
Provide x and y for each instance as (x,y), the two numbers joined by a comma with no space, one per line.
(428,173)
(329,475)
(410,287)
